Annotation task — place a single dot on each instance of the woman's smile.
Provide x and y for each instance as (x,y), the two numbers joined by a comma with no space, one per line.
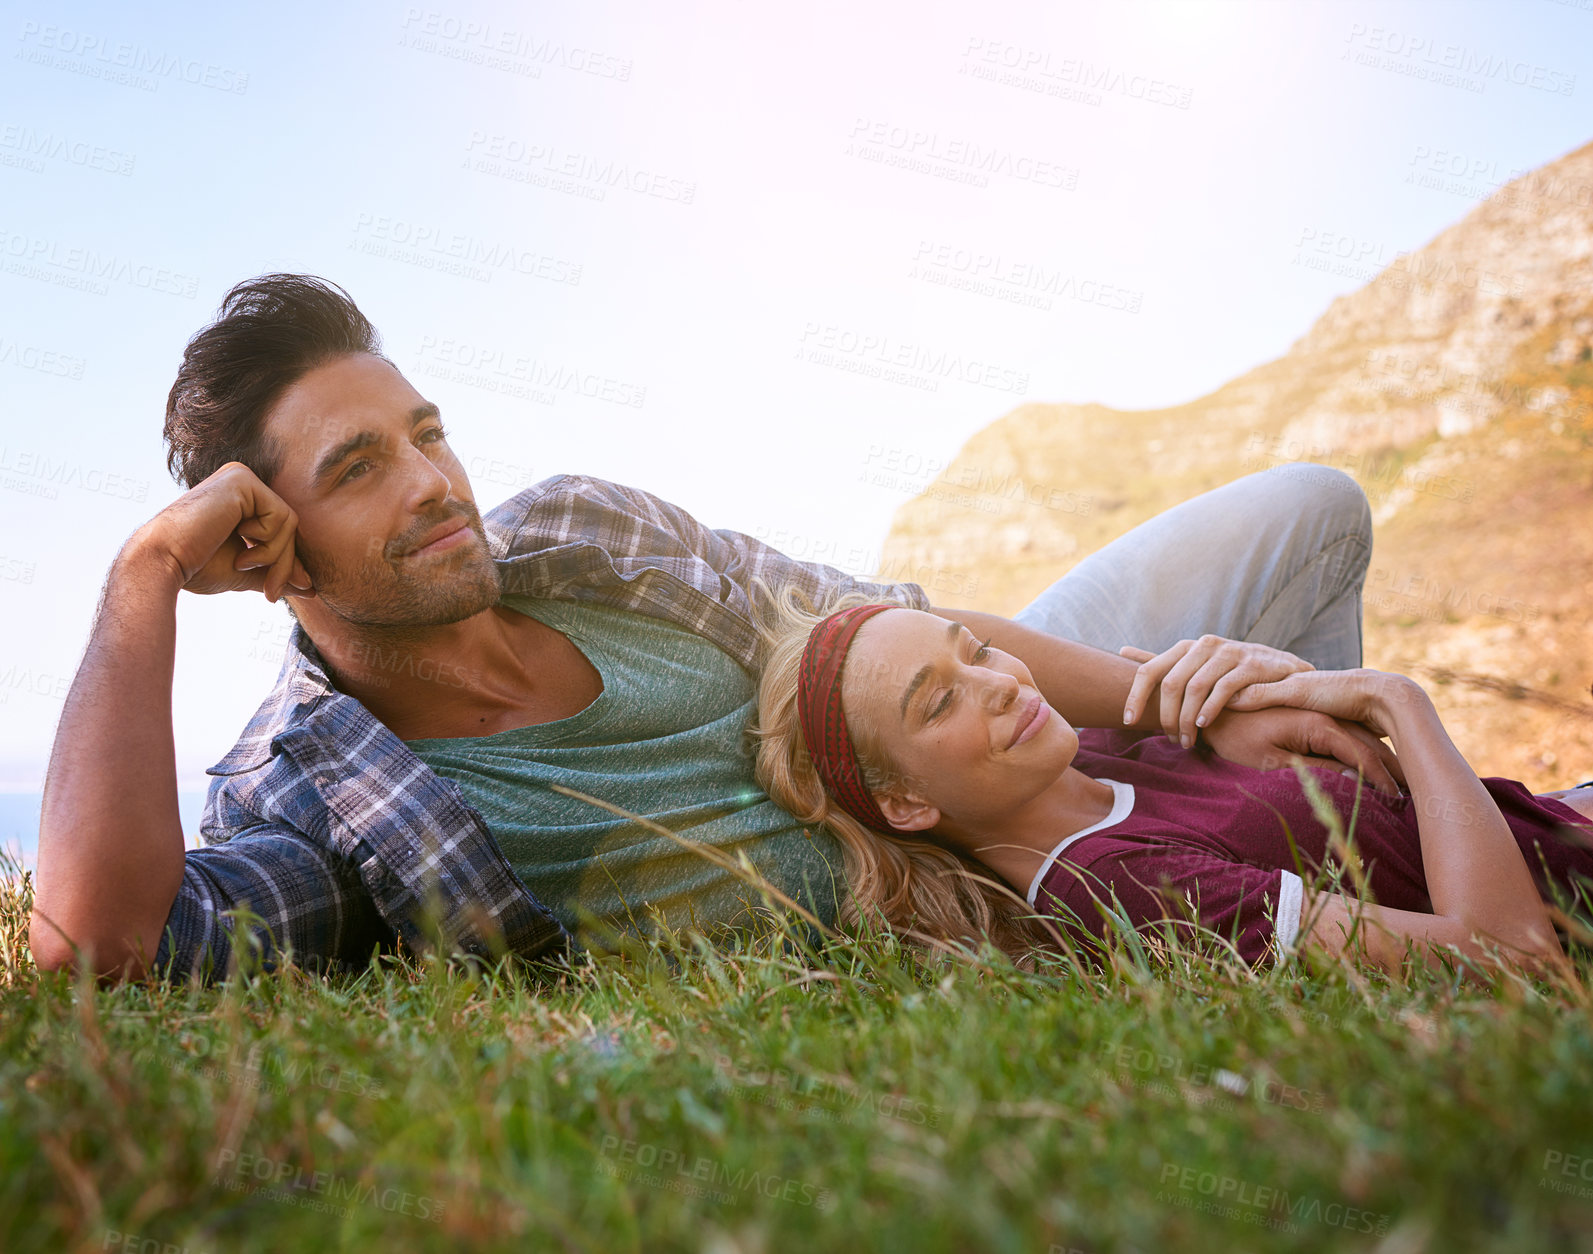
(1031,720)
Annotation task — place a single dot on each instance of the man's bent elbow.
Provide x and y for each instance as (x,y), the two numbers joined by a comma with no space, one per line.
(66,949)
(51,949)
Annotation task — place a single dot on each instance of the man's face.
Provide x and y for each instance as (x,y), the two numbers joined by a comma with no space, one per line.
(387,526)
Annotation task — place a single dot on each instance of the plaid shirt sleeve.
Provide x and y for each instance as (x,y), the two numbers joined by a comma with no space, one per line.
(583,538)
(305,899)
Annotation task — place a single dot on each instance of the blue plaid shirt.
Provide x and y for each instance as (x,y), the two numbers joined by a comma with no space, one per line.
(326,826)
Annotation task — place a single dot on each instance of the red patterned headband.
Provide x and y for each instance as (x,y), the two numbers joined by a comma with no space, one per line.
(823,723)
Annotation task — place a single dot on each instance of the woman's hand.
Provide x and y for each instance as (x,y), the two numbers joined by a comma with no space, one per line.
(1271,738)
(1200,677)
(1360,696)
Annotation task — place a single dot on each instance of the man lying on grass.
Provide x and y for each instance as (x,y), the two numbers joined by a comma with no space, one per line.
(968,807)
(444,671)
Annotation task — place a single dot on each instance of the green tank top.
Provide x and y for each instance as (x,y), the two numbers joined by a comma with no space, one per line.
(665,739)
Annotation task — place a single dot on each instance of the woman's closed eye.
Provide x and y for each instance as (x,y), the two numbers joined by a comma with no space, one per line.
(980,656)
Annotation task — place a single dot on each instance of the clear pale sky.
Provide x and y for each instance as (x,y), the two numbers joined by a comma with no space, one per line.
(697,239)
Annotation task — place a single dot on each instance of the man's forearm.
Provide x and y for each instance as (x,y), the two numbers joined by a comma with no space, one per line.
(110,834)
(1085,685)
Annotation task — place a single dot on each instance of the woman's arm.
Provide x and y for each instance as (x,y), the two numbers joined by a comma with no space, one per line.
(1090,688)
(1477,879)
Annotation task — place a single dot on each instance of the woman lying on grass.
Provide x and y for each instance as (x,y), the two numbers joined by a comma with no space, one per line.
(936,761)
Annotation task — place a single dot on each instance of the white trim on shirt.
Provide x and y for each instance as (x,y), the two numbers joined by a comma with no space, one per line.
(1286,920)
(1122,803)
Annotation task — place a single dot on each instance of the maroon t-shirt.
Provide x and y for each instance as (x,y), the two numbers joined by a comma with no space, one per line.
(1214,831)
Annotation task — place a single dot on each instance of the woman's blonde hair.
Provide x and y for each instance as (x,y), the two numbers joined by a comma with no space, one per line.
(934,896)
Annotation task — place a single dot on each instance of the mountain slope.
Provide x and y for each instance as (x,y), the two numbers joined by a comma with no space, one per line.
(1456,387)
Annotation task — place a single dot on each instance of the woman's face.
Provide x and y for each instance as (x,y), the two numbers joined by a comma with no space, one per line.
(965,719)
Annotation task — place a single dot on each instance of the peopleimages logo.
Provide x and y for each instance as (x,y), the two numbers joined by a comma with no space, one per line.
(42,145)
(793,1090)
(136,60)
(879,356)
(79,266)
(134,1243)
(38,474)
(317,1190)
(44,360)
(662,1167)
(1038,70)
(1420,56)
(1567,1173)
(1171,1074)
(431,246)
(907,470)
(232,1063)
(498,369)
(925,151)
(497,47)
(546,164)
(1260,1204)
(1016,281)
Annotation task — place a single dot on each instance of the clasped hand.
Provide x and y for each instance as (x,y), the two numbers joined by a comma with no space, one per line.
(1258,707)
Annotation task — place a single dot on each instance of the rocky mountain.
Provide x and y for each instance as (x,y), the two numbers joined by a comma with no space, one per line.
(1456,387)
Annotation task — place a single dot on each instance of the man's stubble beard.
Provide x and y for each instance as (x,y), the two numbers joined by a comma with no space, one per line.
(385,595)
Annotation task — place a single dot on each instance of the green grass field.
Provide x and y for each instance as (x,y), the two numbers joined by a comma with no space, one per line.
(854,1097)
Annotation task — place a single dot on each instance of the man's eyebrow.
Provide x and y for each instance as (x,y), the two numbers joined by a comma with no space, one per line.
(364,439)
(953,631)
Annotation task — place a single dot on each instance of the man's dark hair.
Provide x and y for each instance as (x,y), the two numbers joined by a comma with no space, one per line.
(269,332)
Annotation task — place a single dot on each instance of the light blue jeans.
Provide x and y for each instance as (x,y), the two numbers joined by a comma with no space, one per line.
(1277,557)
